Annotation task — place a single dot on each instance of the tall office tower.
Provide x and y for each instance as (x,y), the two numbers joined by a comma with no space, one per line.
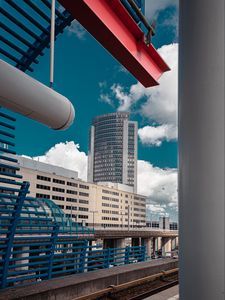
(112,155)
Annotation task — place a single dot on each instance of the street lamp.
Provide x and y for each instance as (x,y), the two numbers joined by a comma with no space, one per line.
(93,217)
(122,214)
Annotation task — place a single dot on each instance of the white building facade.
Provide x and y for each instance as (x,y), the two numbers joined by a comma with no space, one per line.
(100,205)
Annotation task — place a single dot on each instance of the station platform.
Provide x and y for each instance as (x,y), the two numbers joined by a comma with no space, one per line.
(73,286)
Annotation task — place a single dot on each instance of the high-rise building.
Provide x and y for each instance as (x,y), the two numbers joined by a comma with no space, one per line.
(112,155)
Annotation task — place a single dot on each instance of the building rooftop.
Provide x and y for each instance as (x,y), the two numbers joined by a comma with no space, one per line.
(45,167)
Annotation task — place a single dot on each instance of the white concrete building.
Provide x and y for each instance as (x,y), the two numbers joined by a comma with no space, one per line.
(102,205)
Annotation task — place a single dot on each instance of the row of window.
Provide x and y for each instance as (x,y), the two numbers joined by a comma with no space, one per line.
(110,219)
(110,205)
(113,212)
(60,198)
(76,216)
(59,181)
(110,192)
(110,199)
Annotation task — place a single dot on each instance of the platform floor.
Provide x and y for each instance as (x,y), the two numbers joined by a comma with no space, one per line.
(170,294)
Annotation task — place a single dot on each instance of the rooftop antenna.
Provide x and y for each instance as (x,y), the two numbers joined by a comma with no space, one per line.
(52,43)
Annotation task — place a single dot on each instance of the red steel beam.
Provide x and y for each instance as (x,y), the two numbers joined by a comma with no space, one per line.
(113,27)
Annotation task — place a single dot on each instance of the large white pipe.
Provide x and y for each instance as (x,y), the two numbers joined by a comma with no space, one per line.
(27,96)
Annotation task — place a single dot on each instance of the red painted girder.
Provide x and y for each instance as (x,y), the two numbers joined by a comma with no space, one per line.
(112,26)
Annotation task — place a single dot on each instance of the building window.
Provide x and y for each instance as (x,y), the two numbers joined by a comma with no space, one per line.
(83,201)
(43,187)
(82,186)
(57,198)
(83,194)
(44,178)
(71,200)
(72,183)
(83,208)
(82,217)
(58,181)
(44,196)
(71,207)
(71,192)
(55,189)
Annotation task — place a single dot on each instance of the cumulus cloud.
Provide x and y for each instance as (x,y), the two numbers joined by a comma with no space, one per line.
(160,187)
(155,135)
(161,104)
(77,29)
(158,104)
(153,7)
(66,155)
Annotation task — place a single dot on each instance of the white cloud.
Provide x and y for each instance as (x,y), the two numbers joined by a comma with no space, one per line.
(161,104)
(154,135)
(66,155)
(125,100)
(153,7)
(76,29)
(160,187)
(158,104)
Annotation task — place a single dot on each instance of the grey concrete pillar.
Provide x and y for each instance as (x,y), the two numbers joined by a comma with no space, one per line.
(166,245)
(173,243)
(119,243)
(159,243)
(153,245)
(147,242)
(201,149)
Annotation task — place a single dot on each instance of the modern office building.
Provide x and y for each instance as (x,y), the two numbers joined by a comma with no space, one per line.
(112,155)
(99,205)
(163,223)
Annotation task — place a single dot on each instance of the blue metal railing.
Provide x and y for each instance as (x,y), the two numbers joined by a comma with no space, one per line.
(37,241)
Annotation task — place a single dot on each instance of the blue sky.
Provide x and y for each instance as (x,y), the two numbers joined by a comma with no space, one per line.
(96,83)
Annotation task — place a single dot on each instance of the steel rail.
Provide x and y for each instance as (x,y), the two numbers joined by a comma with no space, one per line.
(132,284)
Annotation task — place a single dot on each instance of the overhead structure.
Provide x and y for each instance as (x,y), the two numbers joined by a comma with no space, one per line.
(113,26)
(25,30)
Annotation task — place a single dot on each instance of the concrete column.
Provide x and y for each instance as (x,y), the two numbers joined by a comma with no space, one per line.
(166,245)
(201,149)
(173,243)
(153,245)
(119,243)
(147,242)
(159,243)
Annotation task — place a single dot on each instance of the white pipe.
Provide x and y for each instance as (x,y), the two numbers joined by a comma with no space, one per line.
(27,96)
(52,43)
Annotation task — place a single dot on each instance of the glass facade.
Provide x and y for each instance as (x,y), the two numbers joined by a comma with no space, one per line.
(113,149)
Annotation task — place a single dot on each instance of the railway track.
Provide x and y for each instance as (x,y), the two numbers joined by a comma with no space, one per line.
(137,289)
(155,291)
